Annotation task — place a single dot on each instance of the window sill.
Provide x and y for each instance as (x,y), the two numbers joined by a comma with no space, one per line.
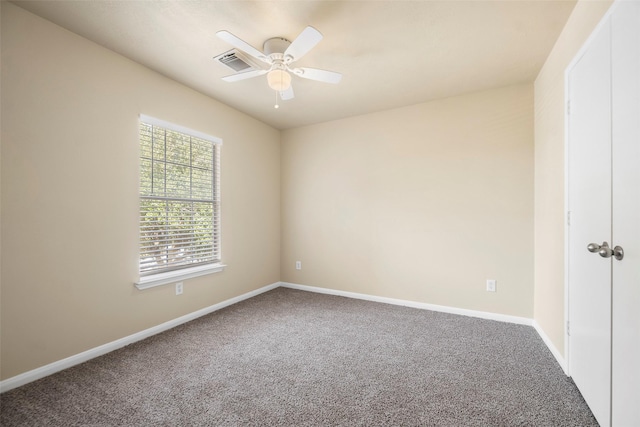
(147,282)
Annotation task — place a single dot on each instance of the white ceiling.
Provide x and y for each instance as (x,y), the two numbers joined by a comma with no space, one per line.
(391,53)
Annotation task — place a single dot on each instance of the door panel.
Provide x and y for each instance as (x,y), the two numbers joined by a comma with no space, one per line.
(590,206)
(626,214)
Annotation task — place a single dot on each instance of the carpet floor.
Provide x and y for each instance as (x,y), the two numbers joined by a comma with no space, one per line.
(294,358)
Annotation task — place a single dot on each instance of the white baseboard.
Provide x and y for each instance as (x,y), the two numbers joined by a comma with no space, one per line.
(552,348)
(414,304)
(52,368)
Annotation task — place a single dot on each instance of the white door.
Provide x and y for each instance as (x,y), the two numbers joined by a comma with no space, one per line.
(589,197)
(604,204)
(625,56)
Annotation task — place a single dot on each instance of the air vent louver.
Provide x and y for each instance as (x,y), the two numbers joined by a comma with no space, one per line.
(232,61)
(237,61)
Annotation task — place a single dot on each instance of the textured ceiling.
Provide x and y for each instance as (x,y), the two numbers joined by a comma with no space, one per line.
(391,53)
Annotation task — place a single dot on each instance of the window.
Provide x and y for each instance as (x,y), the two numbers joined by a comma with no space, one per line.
(179,203)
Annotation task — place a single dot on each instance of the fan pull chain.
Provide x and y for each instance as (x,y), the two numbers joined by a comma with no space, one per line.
(276,106)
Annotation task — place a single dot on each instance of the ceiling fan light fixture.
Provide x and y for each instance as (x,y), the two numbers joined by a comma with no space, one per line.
(279,80)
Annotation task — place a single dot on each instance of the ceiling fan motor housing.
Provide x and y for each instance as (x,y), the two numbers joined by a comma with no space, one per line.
(275,45)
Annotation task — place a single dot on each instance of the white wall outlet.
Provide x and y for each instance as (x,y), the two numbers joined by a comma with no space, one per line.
(298,265)
(491,285)
(179,288)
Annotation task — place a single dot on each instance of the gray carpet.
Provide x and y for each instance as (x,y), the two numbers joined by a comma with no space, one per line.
(293,358)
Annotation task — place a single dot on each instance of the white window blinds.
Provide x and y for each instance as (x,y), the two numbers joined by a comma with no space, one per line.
(179,197)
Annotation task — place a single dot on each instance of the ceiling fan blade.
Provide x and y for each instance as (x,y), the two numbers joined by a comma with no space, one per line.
(244,76)
(242,45)
(285,95)
(307,39)
(319,75)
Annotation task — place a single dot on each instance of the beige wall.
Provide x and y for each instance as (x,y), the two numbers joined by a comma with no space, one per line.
(549,89)
(69,195)
(422,203)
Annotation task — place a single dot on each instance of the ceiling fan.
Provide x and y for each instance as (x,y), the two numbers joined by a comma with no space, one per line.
(279,55)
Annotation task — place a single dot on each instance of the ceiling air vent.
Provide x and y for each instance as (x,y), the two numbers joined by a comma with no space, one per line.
(237,61)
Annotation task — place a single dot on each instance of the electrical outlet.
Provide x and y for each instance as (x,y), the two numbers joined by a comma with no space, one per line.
(298,265)
(179,288)
(491,285)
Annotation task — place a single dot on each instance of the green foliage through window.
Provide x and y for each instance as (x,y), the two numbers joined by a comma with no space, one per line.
(179,200)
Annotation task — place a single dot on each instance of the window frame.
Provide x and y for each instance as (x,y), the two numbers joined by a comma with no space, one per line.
(179,273)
